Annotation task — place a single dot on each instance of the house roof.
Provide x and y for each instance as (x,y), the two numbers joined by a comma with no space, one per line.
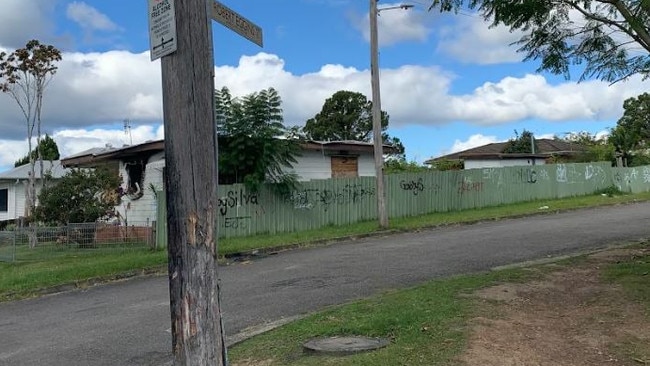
(544,148)
(101,155)
(22,172)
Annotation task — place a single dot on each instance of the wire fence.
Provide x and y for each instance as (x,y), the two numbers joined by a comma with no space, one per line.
(38,243)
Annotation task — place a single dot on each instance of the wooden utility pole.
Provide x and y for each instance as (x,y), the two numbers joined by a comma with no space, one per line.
(376,117)
(191,185)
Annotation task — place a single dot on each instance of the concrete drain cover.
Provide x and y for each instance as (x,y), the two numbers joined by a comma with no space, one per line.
(344,345)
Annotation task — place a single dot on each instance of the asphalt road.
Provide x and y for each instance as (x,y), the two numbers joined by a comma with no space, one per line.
(128,323)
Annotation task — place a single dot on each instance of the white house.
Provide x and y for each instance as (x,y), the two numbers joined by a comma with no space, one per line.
(14,184)
(142,169)
(492,155)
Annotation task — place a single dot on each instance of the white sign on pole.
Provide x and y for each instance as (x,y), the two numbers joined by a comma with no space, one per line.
(237,23)
(162,28)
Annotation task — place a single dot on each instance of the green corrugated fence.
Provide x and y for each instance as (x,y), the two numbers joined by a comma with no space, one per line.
(343,201)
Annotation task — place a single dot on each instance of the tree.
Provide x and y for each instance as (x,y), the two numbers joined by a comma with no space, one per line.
(253,147)
(47,147)
(596,149)
(522,144)
(631,136)
(24,75)
(347,115)
(401,165)
(80,196)
(610,38)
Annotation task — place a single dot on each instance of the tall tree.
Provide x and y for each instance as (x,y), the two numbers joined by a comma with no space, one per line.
(24,75)
(610,38)
(631,136)
(47,148)
(253,147)
(347,115)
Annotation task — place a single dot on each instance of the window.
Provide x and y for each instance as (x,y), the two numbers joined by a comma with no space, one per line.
(4,200)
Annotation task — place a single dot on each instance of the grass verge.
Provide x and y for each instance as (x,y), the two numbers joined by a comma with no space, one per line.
(427,325)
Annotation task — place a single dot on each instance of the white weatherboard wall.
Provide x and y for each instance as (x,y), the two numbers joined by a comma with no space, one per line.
(314,165)
(142,211)
(479,164)
(17,197)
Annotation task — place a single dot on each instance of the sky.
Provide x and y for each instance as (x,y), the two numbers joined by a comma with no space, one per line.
(449,82)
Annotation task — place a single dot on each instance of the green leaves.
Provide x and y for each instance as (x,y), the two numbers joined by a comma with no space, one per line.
(609,38)
(80,196)
(252,147)
(47,148)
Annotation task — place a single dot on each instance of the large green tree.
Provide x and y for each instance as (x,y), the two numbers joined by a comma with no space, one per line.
(24,75)
(347,115)
(253,147)
(80,196)
(631,136)
(609,38)
(47,149)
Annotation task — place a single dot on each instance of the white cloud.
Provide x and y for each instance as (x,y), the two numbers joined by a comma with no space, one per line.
(72,141)
(471,40)
(472,142)
(395,25)
(89,18)
(22,20)
(103,89)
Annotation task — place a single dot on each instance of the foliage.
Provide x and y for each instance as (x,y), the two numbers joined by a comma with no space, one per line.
(253,147)
(521,144)
(347,115)
(401,165)
(631,136)
(24,75)
(447,164)
(596,149)
(47,147)
(80,196)
(610,38)
(610,191)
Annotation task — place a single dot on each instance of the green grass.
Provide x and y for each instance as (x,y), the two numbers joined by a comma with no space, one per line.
(634,276)
(426,325)
(74,266)
(242,244)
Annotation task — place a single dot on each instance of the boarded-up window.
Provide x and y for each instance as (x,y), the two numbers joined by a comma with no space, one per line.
(4,200)
(345,167)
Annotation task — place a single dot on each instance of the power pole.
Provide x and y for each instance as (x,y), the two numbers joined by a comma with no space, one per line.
(191,181)
(376,117)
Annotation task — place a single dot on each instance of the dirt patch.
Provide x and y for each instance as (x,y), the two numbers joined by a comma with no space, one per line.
(571,317)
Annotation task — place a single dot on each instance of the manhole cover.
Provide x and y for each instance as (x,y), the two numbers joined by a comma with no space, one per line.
(344,345)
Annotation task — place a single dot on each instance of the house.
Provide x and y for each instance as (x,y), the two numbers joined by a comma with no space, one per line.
(492,155)
(14,184)
(142,169)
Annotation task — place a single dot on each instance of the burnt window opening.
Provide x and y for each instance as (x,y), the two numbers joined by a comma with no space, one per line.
(135,179)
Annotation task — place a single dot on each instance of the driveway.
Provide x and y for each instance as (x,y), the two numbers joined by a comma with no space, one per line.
(127,323)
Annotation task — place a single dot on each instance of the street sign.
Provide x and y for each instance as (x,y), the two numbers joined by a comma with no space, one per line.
(237,23)
(162,28)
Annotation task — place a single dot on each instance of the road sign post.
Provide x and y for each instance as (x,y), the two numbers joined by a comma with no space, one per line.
(191,171)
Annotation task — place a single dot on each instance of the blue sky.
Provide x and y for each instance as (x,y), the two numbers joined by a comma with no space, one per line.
(449,82)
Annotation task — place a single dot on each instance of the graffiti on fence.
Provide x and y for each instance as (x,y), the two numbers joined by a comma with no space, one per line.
(312,197)
(494,175)
(413,186)
(528,175)
(237,222)
(595,173)
(543,175)
(646,174)
(236,198)
(466,186)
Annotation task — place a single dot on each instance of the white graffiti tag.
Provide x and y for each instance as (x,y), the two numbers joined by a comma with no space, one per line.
(561,176)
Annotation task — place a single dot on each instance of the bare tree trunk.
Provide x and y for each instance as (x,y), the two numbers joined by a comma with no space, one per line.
(191,181)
